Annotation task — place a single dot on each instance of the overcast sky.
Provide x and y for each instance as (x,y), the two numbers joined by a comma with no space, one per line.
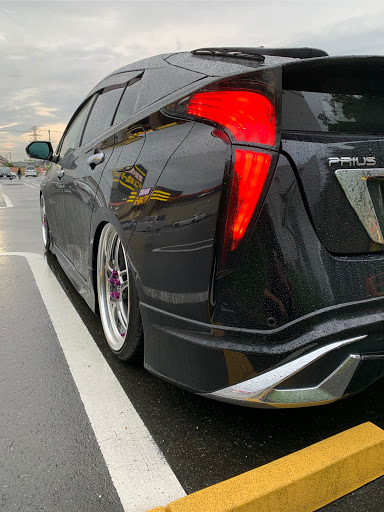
(53,53)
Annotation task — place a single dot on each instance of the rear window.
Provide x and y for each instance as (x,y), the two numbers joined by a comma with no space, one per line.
(334,97)
(327,112)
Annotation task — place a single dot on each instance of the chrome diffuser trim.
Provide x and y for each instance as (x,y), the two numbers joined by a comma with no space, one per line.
(354,184)
(267,389)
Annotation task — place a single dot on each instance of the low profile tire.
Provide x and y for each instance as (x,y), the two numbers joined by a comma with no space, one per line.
(118,300)
(44,225)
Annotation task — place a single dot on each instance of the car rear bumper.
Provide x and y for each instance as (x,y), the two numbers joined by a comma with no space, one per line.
(318,359)
(269,390)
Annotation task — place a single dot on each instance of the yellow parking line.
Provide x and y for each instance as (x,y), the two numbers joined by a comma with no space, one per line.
(139,170)
(160,192)
(301,482)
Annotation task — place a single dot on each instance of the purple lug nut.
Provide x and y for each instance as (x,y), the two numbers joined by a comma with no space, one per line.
(114,278)
(114,295)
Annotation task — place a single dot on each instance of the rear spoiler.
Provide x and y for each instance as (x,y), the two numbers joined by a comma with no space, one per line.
(342,74)
(252,53)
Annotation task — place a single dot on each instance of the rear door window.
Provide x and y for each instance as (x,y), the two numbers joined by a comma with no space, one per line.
(128,101)
(103,111)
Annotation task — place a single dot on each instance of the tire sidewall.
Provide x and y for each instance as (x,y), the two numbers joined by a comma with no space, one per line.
(132,348)
(47,245)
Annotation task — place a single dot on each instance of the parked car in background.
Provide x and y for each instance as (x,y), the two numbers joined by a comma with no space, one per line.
(30,171)
(185,222)
(5,172)
(151,223)
(12,175)
(275,297)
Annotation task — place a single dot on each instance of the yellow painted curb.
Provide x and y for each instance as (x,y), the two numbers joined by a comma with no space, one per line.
(303,481)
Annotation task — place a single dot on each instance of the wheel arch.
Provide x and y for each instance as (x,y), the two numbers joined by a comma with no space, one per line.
(95,248)
(131,347)
(100,218)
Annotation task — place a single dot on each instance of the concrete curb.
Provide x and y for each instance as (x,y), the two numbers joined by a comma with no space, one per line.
(303,481)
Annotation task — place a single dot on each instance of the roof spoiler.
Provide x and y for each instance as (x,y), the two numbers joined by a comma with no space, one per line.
(295,53)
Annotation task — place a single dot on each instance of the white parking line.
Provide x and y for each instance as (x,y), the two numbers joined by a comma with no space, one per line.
(8,202)
(142,477)
(30,186)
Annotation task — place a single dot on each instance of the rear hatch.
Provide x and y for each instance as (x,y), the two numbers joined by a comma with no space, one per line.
(333,134)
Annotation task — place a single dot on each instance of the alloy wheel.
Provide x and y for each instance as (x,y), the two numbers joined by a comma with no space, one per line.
(113,287)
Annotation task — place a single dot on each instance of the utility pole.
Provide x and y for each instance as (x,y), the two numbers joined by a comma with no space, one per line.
(49,134)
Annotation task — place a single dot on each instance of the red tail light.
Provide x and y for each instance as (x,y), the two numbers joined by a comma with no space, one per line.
(245,109)
(248,115)
(251,171)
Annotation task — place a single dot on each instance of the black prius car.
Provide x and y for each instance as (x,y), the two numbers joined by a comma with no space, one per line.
(223,211)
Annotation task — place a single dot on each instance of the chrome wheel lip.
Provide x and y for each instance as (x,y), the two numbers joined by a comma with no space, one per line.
(113,288)
(44,224)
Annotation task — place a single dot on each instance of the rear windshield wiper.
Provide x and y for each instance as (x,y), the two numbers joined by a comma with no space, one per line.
(237,53)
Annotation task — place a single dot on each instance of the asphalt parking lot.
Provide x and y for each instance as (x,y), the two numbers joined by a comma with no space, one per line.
(50,450)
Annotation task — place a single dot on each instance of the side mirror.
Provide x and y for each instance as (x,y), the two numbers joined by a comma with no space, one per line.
(40,149)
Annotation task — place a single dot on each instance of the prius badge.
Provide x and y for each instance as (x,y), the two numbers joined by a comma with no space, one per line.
(352,161)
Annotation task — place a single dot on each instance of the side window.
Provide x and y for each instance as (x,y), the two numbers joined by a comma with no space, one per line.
(102,112)
(128,100)
(72,137)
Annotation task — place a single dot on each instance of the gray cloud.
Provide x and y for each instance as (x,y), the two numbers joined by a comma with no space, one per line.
(52,54)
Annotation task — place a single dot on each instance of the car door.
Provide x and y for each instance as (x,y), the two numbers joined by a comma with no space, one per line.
(56,179)
(122,180)
(81,172)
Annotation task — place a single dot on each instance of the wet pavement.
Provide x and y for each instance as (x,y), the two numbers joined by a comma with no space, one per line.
(49,456)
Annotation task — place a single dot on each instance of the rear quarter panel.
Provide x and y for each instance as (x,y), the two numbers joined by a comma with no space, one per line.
(174,263)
